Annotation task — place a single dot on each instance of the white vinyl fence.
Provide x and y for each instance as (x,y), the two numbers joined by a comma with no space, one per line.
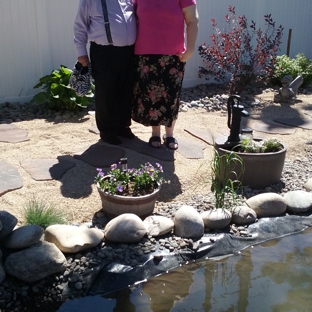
(36,36)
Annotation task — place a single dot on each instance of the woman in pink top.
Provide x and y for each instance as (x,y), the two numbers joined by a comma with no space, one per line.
(161,53)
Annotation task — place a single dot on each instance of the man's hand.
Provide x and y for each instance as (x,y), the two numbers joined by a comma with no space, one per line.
(83,60)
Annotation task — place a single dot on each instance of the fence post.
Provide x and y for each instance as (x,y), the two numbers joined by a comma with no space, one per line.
(289,41)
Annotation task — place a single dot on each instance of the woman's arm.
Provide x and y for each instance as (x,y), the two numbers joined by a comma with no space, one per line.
(191,21)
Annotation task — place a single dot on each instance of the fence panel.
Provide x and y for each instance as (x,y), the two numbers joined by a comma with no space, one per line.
(37,36)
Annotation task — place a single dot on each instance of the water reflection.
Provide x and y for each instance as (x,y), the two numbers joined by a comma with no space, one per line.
(170,289)
(244,268)
(274,276)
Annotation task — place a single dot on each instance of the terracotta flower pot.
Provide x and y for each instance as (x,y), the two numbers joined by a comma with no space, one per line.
(260,169)
(115,205)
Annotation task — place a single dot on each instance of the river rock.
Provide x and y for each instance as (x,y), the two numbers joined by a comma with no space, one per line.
(8,222)
(125,228)
(216,219)
(188,223)
(158,225)
(36,262)
(24,237)
(242,215)
(267,204)
(298,201)
(308,185)
(71,239)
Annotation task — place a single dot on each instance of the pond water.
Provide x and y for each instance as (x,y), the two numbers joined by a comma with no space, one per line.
(272,276)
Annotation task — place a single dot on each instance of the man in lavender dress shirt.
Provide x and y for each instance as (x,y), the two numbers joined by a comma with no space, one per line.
(112,57)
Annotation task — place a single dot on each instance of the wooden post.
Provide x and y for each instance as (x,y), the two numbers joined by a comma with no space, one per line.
(288,41)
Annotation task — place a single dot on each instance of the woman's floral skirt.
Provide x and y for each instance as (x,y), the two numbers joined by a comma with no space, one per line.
(157,89)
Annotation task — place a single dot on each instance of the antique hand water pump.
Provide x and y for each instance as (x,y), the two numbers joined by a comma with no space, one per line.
(235,112)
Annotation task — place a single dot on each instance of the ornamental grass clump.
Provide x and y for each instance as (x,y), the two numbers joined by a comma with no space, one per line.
(130,182)
(224,188)
(41,213)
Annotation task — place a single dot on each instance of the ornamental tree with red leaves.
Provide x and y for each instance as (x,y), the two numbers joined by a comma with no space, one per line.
(241,54)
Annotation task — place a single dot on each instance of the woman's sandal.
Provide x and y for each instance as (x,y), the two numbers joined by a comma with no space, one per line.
(170,140)
(154,139)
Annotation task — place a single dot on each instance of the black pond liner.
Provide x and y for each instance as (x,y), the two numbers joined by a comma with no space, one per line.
(111,277)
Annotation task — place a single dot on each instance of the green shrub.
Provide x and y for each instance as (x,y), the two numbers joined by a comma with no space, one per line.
(300,65)
(42,214)
(57,92)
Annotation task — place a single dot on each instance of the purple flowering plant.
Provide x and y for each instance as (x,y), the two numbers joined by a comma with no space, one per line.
(130,182)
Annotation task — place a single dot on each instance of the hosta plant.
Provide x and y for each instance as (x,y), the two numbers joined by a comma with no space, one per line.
(57,92)
(241,53)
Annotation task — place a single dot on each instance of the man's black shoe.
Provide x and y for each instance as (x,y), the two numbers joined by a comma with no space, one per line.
(125,133)
(110,138)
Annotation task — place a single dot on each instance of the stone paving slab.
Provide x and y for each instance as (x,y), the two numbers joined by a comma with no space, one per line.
(296,122)
(100,154)
(10,178)
(142,147)
(203,134)
(190,149)
(307,112)
(12,134)
(94,129)
(269,126)
(47,169)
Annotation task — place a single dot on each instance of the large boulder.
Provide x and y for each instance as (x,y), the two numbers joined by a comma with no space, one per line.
(126,228)
(2,271)
(8,222)
(24,237)
(36,262)
(72,239)
(243,215)
(188,223)
(298,201)
(216,219)
(308,185)
(158,225)
(267,204)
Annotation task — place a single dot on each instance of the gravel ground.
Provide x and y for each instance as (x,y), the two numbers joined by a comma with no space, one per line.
(46,295)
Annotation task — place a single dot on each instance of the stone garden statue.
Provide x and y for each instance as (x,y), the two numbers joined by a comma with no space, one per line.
(288,92)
